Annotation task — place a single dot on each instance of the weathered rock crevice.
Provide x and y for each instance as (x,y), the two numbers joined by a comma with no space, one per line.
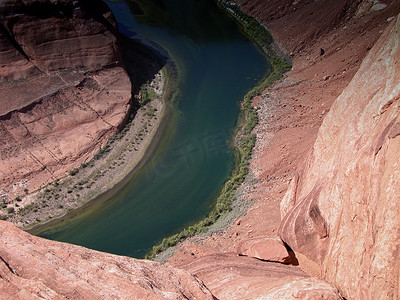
(8,266)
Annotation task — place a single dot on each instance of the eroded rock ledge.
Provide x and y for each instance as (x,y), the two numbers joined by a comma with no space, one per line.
(35,268)
(63,89)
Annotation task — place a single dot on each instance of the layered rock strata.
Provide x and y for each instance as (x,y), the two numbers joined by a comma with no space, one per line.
(340,212)
(51,35)
(63,89)
(229,276)
(35,268)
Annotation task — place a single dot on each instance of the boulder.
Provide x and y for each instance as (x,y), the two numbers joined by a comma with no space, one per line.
(268,249)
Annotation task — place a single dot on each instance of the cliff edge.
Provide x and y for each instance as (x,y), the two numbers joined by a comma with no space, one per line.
(35,268)
(345,214)
(63,89)
(328,137)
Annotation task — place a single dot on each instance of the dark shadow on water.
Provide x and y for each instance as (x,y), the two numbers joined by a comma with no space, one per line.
(140,63)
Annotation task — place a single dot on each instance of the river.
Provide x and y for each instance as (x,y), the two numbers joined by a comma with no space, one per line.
(179,183)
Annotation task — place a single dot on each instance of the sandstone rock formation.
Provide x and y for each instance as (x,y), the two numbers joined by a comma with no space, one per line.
(54,35)
(268,249)
(340,213)
(231,277)
(346,216)
(35,268)
(289,118)
(63,90)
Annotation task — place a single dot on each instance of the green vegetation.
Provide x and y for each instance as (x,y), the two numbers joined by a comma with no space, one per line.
(256,32)
(73,172)
(245,140)
(146,94)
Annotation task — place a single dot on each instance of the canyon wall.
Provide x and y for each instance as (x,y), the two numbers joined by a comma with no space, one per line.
(339,213)
(345,213)
(43,36)
(63,89)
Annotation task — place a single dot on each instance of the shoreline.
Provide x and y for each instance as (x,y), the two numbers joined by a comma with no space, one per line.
(247,119)
(290,114)
(243,142)
(85,186)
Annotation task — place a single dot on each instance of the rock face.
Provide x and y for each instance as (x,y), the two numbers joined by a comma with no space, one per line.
(233,277)
(52,35)
(63,90)
(35,268)
(340,213)
(346,215)
(347,224)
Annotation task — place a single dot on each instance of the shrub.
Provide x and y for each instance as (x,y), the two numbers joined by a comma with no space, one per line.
(73,172)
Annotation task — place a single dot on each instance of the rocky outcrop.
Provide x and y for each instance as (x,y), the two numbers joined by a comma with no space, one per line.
(233,277)
(63,91)
(268,249)
(340,214)
(342,230)
(53,35)
(346,216)
(35,268)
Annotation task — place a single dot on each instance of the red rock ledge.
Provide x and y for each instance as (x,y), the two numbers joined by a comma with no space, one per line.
(63,90)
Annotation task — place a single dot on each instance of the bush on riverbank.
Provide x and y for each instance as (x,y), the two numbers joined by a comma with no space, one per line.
(244,140)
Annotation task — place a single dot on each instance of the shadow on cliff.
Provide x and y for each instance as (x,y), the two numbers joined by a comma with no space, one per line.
(141,64)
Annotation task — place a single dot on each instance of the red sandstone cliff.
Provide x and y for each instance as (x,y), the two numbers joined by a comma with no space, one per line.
(340,212)
(63,91)
(345,213)
(43,36)
(340,209)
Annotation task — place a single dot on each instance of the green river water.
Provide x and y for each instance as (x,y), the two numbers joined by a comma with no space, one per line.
(179,183)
